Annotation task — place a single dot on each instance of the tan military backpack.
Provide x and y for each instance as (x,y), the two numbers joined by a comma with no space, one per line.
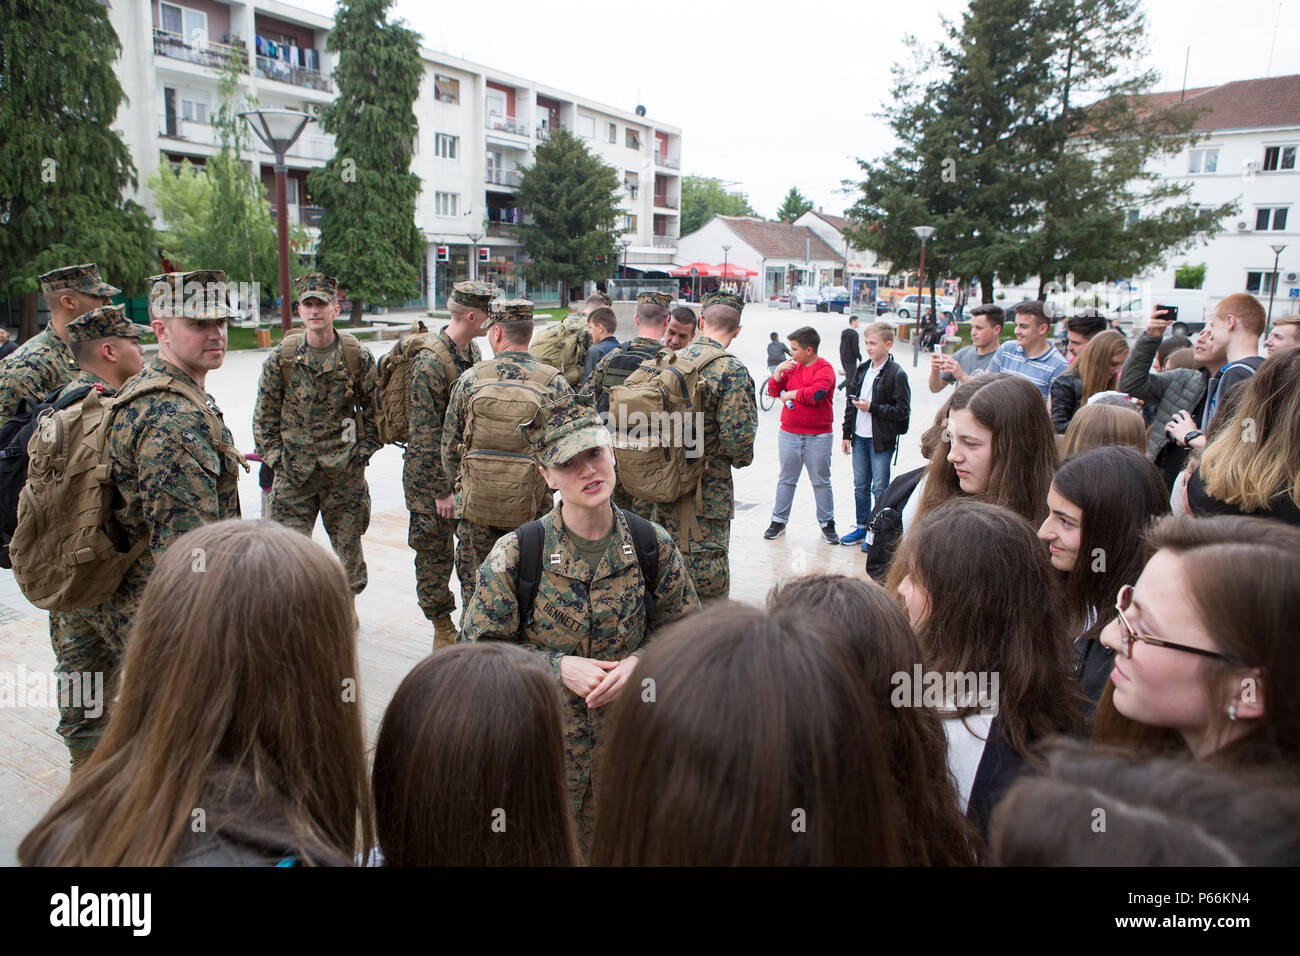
(394,376)
(560,345)
(499,483)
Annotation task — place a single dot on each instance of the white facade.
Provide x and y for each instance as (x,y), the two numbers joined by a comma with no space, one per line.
(781,255)
(478,128)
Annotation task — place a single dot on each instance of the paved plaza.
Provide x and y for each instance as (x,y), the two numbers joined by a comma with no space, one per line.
(394,635)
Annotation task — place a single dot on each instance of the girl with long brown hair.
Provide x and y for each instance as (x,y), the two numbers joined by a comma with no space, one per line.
(876,634)
(469,767)
(998,448)
(1097,370)
(1098,425)
(984,601)
(749,740)
(238,737)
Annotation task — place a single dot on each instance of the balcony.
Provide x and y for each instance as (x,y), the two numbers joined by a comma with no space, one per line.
(199,134)
(192,50)
(663,202)
(301,215)
(544,130)
(271,69)
(502,177)
(507,124)
(502,230)
(665,242)
(668,162)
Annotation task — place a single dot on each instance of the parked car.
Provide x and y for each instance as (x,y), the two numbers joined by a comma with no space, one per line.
(908,307)
(779,301)
(804,297)
(833,298)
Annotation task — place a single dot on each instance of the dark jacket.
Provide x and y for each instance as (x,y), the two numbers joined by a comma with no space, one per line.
(998,769)
(1281,506)
(850,351)
(891,404)
(1171,391)
(1067,397)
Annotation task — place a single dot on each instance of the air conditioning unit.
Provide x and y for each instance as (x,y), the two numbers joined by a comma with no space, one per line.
(313,109)
(1243,227)
(1291,277)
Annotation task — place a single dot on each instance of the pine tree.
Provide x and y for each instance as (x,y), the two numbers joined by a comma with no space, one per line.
(368,236)
(793,206)
(569,198)
(64,171)
(704,198)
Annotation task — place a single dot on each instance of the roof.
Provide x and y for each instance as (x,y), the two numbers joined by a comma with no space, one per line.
(780,240)
(839,222)
(1242,104)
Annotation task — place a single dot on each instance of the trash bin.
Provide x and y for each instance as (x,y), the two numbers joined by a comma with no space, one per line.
(263,338)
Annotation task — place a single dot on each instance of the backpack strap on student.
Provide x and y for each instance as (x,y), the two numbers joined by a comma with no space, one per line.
(529,573)
(646,544)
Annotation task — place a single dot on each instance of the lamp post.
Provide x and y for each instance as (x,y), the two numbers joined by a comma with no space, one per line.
(725,250)
(1277,253)
(923,233)
(474,237)
(279,130)
(623,244)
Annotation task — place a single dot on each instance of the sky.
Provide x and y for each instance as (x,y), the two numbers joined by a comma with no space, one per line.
(773,95)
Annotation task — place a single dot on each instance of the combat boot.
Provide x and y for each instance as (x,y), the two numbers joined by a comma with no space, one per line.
(444,632)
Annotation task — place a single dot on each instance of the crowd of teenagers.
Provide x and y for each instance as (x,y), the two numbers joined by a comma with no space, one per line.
(1059,625)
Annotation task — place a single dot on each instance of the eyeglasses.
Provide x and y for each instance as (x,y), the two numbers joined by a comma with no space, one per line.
(1124,603)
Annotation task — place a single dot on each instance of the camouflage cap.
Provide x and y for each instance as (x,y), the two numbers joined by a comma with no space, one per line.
(725,298)
(200,294)
(601,298)
(658,298)
(84,278)
(563,429)
(509,310)
(108,321)
(474,295)
(316,285)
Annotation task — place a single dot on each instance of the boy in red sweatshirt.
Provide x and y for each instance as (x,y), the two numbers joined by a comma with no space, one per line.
(806,385)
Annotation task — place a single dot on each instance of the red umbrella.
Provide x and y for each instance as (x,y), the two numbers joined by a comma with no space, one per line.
(704,269)
(731,271)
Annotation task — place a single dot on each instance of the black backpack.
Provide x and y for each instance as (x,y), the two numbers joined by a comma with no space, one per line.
(531,536)
(885,528)
(625,360)
(15,435)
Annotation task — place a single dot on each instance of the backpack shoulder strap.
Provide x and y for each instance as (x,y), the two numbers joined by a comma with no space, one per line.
(439,348)
(543,374)
(352,357)
(646,543)
(288,351)
(529,572)
(134,389)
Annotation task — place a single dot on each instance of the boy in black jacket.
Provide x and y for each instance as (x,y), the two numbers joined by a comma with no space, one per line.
(878,410)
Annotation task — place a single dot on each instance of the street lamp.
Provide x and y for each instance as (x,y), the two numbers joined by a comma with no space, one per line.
(623,244)
(1277,252)
(279,130)
(725,250)
(923,233)
(474,237)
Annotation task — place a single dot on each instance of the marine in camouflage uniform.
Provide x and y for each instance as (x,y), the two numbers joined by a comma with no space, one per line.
(318,431)
(595,386)
(580,609)
(730,424)
(173,462)
(82,643)
(423,479)
(44,363)
(474,540)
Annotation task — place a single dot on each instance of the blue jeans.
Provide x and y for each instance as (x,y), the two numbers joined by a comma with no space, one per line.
(870,476)
(796,452)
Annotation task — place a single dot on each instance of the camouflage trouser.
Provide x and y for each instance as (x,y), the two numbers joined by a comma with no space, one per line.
(583,734)
(473,544)
(638,506)
(342,499)
(88,653)
(433,539)
(706,559)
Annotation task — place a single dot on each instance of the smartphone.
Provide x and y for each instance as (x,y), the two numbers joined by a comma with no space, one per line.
(938,349)
(1170,312)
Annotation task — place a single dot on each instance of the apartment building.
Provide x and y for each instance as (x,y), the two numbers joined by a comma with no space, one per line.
(478,128)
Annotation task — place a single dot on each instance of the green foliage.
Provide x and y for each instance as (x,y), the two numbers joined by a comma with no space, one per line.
(1022,146)
(793,206)
(1189,276)
(569,197)
(63,169)
(369,239)
(704,198)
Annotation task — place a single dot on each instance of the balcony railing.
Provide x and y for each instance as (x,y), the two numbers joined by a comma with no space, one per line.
(665,242)
(273,69)
(507,123)
(173,127)
(664,202)
(669,162)
(502,177)
(301,215)
(203,52)
(502,230)
(544,130)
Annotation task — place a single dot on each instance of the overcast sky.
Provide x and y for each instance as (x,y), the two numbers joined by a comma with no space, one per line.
(772,95)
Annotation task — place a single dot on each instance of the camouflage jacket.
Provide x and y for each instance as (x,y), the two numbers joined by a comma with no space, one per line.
(595,383)
(423,477)
(170,478)
(42,364)
(578,610)
(319,420)
(512,365)
(730,424)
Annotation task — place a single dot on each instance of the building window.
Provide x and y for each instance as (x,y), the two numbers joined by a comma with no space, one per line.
(446,204)
(586,126)
(446,146)
(1203,160)
(446,89)
(182,20)
(1270,219)
(633,140)
(612,135)
(1259,283)
(1278,158)
(194,110)
(1131,217)
(629,222)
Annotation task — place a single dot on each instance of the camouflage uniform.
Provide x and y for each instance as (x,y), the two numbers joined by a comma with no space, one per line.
(44,363)
(595,612)
(730,422)
(318,432)
(473,540)
(423,477)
